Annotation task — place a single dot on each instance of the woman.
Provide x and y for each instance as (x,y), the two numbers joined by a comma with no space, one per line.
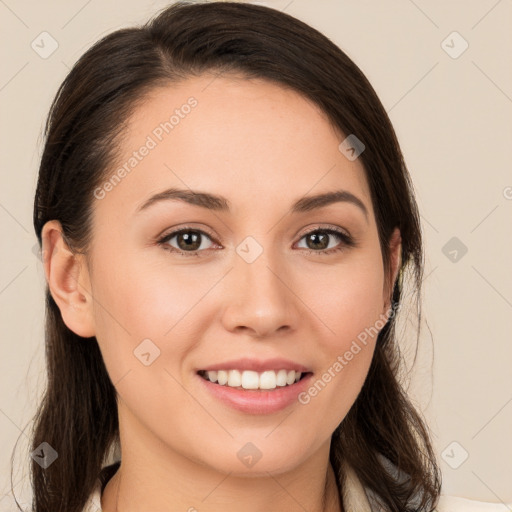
(228,226)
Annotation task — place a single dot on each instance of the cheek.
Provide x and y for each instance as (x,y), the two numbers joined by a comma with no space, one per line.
(351,310)
(348,300)
(141,300)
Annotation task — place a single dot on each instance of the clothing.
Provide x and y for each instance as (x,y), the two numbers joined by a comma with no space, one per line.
(355,498)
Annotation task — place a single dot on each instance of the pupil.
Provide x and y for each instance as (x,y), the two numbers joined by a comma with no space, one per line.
(316,236)
(191,240)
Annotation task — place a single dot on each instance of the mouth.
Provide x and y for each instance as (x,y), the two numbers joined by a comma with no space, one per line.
(249,380)
(256,392)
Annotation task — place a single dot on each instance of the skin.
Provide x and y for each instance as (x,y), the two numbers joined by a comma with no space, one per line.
(262,147)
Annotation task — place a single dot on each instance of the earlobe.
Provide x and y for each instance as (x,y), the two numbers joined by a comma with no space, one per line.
(68,280)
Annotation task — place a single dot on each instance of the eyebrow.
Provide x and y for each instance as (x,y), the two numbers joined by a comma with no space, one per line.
(221,204)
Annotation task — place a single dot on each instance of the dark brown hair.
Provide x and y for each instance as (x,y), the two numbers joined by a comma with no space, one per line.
(382,434)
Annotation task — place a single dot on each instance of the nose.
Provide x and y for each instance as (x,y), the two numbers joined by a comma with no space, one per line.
(260,298)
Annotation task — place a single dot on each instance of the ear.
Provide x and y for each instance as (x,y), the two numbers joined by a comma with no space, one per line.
(395,261)
(68,280)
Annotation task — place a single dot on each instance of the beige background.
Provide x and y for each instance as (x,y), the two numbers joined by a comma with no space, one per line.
(453,119)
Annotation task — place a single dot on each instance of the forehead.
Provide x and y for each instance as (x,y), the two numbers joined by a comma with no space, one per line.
(256,142)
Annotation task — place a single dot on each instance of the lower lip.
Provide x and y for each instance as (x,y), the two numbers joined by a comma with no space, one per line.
(257,401)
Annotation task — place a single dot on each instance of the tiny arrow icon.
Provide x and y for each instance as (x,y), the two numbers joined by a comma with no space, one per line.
(454,45)
(249,455)
(351,147)
(146,352)
(454,455)
(40,45)
(249,249)
(454,249)
(44,455)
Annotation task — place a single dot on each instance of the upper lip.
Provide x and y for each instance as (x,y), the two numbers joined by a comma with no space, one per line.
(257,365)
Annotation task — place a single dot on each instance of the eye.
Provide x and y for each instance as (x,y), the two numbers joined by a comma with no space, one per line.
(189,241)
(318,240)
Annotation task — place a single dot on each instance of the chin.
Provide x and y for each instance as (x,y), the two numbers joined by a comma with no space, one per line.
(249,461)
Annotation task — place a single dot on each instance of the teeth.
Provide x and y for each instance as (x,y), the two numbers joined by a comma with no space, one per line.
(250,380)
(253,380)
(268,380)
(234,379)
(281,377)
(222,377)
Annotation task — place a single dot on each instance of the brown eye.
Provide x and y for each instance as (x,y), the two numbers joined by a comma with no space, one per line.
(186,241)
(321,241)
(318,240)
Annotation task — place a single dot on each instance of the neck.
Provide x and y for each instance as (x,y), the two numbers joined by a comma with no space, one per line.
(144,487)
(117,500)
(156,476)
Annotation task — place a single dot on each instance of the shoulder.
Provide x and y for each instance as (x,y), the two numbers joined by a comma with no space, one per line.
(456,504)
(361,499)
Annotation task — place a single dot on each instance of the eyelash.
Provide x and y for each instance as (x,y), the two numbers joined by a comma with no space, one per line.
(346,241)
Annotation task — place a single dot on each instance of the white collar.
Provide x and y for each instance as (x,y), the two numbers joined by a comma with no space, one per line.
(354,495)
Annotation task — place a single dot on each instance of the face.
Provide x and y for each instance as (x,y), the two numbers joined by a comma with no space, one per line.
(257,278)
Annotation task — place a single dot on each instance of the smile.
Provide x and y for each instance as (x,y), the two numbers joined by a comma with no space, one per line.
(249,379)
